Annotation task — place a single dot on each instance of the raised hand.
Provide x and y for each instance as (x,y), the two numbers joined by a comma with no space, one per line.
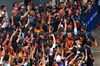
(20,29)
(16,29)
(12,17)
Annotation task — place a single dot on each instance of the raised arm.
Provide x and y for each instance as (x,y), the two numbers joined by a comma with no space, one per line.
(10,41)
(23,59)
(65,24)
(43,59)
(68,48)
(56,54)
(22,3)
(74,23)
(81,60)
(32,38)
(87,10)
(59,24)
(86,57)
(69,56)
(19,36)
(9,62)
(54,40)
(33,51)
(75,27)
(29,42)
(25,14)
(12,18)
(49,19)
(28,22)
(72,61)
(62,53)
(7,38)
(22,17)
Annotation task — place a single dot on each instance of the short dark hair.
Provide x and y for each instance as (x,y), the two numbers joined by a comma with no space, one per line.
(62,3)
(14,4)
(2,6)
(89,43)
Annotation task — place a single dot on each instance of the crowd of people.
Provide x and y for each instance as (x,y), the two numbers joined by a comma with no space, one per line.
(46,35)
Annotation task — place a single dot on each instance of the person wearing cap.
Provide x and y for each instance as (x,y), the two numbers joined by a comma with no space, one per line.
(59,58)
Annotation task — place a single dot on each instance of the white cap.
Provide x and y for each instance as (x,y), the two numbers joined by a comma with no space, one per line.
(58,58)
(78,52)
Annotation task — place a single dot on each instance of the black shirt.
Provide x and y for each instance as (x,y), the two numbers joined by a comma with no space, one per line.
(26,2)
(14,45)
(55,24)
(16,19)
(89,53)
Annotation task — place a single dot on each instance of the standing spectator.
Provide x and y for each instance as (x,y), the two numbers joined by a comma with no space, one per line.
(16,18)
(16,5)
(90,59)
(4,10)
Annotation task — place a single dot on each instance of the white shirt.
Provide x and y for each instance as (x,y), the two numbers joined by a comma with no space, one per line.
(1,60)
(75,31)
(25,64)
(7,16)
(66,63)
(8,65)
(6,23)
(53,2)
(51,49)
